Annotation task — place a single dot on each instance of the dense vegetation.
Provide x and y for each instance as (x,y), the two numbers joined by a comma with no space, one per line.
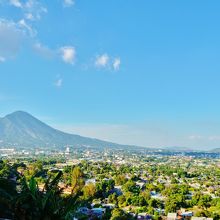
(41,189)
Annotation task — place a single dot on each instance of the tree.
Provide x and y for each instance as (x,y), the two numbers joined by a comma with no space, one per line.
(112,198)
(77,180)
(121,201)
(7,195)
(131,186)
(104,187)
(89,191)
(119,214)
(204,201)
(32,203)
(170,206)
(120,179)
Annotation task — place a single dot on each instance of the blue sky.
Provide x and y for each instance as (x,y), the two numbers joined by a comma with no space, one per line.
(134,72)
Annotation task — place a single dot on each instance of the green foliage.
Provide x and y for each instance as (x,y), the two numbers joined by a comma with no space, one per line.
(104,187)
(32,190)
(77,180)
(89,191)
(119,214)
(112,198)
(120,179)
(131,186)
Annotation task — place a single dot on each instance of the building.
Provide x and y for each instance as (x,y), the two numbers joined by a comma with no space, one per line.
(172,216)
(201,218)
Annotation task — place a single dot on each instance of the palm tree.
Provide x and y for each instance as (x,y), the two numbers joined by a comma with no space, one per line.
(32,203)
(7,193)
(49,203)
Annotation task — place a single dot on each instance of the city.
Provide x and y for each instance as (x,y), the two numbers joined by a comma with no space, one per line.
(134,183)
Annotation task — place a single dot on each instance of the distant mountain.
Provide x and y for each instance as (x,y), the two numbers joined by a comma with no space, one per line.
(178,149)
(216,150)
(23,130)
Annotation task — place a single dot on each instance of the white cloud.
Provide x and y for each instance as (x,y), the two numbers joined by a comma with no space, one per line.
(42,50)
(14,34)
(68,54)
(59,83)
(102,60)
(16,3)
(11,37)
(68,3)
(27,28)
(29,16)
(116,63)
(107,62)
(30,3)
(34,9)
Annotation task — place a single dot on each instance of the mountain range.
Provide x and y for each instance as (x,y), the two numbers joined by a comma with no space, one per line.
(23,130)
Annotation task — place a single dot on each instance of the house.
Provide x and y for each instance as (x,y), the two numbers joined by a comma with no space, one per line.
(160,211)
(94,212)
(88,181)
(172,216)
(98,212)
(117,190)
(140,184)
(143,216)
(83,210)
(201,218)
(108,205)
(185,214)
(156,195)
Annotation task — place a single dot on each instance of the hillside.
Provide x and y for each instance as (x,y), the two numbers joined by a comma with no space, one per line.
(23,130)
